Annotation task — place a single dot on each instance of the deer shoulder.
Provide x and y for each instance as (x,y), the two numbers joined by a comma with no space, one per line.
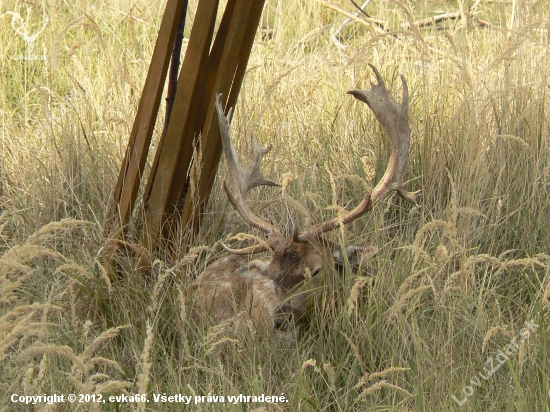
(232,285)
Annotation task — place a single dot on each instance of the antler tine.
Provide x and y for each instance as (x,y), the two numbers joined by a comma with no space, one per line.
(247,250)
(395,120)
(239,180)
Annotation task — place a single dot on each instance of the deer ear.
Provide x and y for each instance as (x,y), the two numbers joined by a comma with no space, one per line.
(354,255)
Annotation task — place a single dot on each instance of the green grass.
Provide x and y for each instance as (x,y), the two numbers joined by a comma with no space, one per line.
(456,278)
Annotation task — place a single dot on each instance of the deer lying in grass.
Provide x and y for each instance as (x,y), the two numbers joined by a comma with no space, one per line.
(274,290)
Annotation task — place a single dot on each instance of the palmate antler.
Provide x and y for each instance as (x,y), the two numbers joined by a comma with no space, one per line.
(240,180)
(395,120)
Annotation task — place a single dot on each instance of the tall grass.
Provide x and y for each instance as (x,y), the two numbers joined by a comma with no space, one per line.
(455,279)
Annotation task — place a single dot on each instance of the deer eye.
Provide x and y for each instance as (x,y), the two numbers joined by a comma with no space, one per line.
(315,272)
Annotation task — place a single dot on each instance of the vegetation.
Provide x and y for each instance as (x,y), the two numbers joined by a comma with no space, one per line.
(455,279)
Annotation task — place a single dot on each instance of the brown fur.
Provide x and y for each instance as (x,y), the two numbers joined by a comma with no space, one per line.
(235,284)
(271,290)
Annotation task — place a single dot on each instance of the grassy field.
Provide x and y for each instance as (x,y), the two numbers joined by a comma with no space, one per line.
(436,319)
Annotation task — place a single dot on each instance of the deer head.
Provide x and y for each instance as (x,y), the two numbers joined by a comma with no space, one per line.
(295,261)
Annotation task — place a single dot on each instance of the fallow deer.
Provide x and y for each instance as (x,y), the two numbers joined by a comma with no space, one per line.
(274,290)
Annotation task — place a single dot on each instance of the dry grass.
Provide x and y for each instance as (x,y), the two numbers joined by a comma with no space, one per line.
(456,278)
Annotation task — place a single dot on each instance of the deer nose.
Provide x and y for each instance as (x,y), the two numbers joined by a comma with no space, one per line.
(281,320)
(278,323)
